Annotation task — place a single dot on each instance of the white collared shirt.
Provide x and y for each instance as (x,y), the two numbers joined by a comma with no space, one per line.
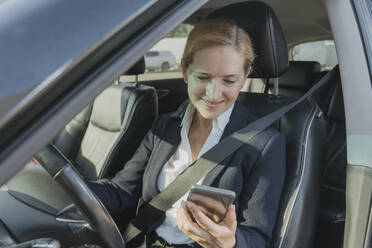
(179,161)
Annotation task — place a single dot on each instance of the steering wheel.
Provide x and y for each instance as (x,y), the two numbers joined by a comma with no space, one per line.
(82,196)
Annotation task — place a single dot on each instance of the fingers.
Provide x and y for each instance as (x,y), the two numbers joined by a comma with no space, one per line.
(189,227)
(183,217)
(203,221)
(230,218)
(222,234)
(204,231)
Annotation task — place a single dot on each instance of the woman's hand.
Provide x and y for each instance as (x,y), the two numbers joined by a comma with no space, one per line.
(204,231)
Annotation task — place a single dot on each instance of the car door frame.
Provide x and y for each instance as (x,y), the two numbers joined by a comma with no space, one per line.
(355,68)
(43,112)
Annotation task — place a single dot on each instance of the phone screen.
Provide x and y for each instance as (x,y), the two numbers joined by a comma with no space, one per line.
(211,207)
(213,202)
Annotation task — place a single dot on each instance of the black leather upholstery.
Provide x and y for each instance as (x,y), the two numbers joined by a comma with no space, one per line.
(266,33)
(120,117)
(330,98)
(171,93)
(298,78)
(69,139)
(141,111)
(303,127)
(101,138)
(332,209)
(304,130)
(333,205)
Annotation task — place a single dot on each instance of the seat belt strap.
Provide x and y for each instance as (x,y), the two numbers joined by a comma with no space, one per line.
(200,168)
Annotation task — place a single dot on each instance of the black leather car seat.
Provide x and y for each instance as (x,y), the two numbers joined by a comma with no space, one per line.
(332,209)
(298,79)
(303,127)
(332,212)
(101,138)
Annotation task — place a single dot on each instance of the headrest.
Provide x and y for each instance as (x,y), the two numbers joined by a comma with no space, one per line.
(299,75)
(109,107)
(137,68)
(262,25)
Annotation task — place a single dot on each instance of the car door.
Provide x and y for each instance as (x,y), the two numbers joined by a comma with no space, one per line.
(351,23)
(59,55)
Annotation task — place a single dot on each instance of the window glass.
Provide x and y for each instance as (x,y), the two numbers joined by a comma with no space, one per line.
(163,60)
(256,85)
(322,51)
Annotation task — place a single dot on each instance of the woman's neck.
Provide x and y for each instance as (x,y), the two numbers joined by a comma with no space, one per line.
(200,123)
(198,133)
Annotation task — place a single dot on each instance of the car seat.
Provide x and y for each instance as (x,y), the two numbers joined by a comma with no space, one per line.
(101,138)
(303,127)
(332,214)
(332,211)
(298,79)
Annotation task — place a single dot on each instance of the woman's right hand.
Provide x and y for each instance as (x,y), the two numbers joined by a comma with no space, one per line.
(203,230)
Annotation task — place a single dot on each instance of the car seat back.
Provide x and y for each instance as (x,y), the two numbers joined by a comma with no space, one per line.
(330,231)
(69,139)
(121,116)
(101,138)
(332,209)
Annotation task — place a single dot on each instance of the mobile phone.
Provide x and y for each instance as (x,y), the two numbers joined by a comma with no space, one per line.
(212,201)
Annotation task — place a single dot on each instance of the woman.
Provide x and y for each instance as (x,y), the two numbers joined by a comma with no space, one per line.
(217,59)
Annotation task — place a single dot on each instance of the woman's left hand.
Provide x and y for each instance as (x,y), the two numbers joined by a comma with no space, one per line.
(204,231)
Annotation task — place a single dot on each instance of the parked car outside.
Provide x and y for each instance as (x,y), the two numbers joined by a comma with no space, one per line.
(159,60)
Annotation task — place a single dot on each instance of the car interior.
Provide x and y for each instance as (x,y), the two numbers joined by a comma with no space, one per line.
(102,137)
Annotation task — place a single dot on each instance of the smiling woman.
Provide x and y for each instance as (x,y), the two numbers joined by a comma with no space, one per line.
(217,59)
(53,64)
(214,85)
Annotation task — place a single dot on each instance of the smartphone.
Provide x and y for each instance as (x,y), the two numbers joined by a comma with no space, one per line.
(212,201)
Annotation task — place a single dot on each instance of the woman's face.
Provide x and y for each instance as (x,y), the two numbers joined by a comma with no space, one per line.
(214,79)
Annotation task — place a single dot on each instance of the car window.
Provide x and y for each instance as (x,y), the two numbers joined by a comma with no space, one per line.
(323,52)
(163,60)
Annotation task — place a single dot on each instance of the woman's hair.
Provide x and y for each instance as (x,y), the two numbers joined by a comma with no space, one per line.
(218,32)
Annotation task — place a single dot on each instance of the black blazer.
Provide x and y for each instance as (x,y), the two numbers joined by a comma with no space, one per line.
(255,172)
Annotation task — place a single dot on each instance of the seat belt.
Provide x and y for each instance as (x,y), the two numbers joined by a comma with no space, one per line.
(150,215)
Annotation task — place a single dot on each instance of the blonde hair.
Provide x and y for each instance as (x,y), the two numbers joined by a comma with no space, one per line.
(218,32)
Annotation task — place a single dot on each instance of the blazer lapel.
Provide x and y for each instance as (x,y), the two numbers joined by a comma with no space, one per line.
(240,117)
(166,147)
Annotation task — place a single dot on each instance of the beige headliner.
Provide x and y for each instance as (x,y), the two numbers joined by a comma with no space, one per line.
(302,20)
